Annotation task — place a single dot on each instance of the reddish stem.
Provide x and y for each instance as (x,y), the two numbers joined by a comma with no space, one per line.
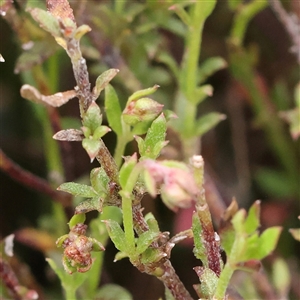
(32,181)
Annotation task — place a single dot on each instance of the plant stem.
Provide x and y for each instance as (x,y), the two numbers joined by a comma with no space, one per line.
(128,221)
(208,234)
(32,181)
(173,283)
(223,281)
(189,78)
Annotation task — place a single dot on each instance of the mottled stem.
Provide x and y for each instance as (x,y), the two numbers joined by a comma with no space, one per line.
(208,234)
(173,283)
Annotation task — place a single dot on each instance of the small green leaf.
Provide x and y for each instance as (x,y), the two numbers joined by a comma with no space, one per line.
(209,67)
(88,205)
(99,180)
(182,14)
(142,93)
(209,281)
(92,119)
(92,147)
(152,255)
(199,249)
(207,122)
(238,221)
(113,110)
(258,247)
(202,93)
(103,80)
(46,20)
(145,240)
(150,183)
(127,169)
(76,219)
(112,292)
(141,127)
(116,234)
(100,132)
(152,223)
(169,61)
(268,241)
(155,137)
(252,221)
(77,189)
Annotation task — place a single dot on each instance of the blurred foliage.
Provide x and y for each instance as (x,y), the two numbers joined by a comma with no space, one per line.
(255,151)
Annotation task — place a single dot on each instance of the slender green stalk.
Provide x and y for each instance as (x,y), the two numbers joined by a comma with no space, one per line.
(187,108)
(223,282)
(70,293)
(128,220)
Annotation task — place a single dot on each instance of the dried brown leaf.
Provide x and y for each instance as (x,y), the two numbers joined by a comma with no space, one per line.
(56,100)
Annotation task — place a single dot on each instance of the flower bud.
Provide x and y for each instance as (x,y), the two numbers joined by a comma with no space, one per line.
(141,110)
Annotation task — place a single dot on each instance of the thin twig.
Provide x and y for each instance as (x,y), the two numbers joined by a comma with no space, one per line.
(32,181)
(291,24)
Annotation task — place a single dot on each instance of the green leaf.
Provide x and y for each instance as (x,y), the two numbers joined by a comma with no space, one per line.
(100,132)
(92,119)
(99,180)
(209,67)
(199,248)
(203,92)
(113,292)
(117,235)
(170,62)
(155,137)
(92,147)
(113,110)
(209,281)
(77,189)
(103,80)
(145,240)
(152,223)
(268,241)
(141,127)
(252,221)
(227,239)
(88,205)
(182,14)
(207,122)
(127,169)
(46,20)
(258,247)
(76,219)
(142,93)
